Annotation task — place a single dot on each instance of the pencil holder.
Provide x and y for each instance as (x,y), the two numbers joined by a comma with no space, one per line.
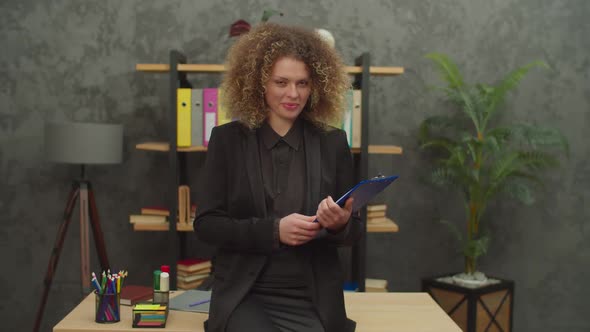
(161,296)
(107,308)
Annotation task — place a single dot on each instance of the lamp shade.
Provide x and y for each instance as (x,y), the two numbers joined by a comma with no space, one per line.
(84,143)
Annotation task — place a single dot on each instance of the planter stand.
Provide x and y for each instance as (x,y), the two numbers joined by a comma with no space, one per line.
(474,309)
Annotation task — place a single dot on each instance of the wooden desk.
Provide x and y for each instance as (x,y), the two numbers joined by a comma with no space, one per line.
(404,312)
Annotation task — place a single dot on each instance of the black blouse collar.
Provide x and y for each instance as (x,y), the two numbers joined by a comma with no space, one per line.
(293,137)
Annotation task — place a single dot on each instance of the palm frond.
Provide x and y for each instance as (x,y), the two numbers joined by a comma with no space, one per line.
(537,160)
(437,123)
(472,147)
(469,103)
(443,176)
(540,137)
(498,94)
(454,230)
(476,247)
(500,134)
(447,69)
(491,144)
(441,142)
(520,191)
(501,168)
(503,185)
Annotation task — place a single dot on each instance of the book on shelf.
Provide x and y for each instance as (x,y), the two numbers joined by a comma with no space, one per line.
(209,113)
(163,211)
(376,207)
(347,118)
(357,118)
(222,112)
(377,220)
(197,269)
(184,204)
(192,264)
(351,118)
(191,278)
(204,270)
(147,219)
(183,117)
(375,214)
(375,285)
(162,227)
(189,285)
(132,294)
(382,225)
(197,117)
(156,211)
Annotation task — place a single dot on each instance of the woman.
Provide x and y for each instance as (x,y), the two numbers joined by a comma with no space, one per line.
(268,177)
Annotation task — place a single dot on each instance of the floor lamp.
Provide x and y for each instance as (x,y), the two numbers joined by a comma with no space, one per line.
(82,144)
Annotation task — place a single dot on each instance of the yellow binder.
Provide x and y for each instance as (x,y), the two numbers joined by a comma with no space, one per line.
(183,117)
(222,112)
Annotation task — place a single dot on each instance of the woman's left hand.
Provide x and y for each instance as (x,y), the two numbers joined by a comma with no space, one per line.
(333,217)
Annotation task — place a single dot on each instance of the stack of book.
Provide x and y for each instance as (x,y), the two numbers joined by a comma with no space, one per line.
(192,272)
(377,221)
(150,217)
(155,218)
(376,213)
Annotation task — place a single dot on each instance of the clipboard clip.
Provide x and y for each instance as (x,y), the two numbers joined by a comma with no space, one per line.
(379,176)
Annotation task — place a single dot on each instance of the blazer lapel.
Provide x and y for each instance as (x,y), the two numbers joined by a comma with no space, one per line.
(313,164)
(254,170)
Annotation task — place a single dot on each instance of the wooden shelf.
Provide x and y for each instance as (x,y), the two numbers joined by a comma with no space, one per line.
(376,70)
(383,227)
(381,149)
(181,227)
(388,226)
(216,68)
(165,147)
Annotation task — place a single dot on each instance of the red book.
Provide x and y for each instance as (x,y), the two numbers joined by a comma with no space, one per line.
(192,264)
(132,294)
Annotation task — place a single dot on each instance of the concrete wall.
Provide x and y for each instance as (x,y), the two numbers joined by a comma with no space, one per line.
(74,60)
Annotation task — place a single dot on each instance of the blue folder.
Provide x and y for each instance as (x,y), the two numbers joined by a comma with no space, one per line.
(365,190)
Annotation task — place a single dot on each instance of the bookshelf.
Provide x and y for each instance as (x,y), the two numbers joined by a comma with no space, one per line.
(388,226)
(216,68)
(163,227)
(177,70)
(165,147)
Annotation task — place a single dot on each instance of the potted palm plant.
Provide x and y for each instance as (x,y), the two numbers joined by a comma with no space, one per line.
(482,158)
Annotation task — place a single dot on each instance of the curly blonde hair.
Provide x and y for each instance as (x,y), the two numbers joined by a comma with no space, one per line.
(249,65)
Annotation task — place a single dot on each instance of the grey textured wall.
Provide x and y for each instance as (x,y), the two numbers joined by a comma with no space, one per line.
(75,60)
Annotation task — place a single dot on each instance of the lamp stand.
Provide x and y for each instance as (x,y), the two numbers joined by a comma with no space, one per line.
(82,190)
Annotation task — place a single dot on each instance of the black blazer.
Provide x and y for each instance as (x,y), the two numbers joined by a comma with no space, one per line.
(232,217)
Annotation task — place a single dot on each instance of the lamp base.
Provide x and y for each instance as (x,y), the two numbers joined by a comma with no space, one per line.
(80,190)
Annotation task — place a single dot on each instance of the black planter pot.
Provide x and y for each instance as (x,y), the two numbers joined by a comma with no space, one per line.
(486,308)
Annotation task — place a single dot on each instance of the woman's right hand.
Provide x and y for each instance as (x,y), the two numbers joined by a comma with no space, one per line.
(297,229)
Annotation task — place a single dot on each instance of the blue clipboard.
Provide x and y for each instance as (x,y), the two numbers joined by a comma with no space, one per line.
(365,190)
